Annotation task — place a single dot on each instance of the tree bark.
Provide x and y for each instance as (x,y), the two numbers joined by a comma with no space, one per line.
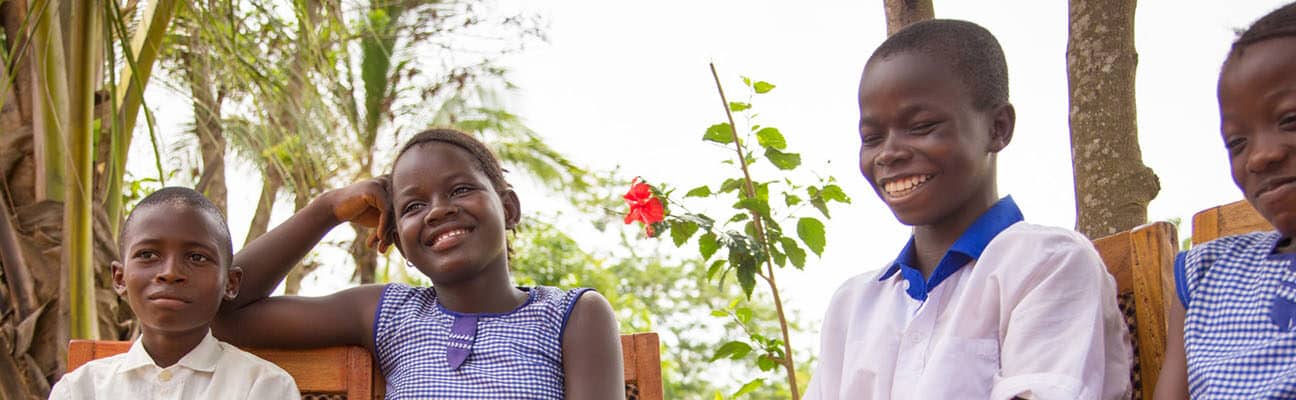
(271,182)
(1113,187)
(365,257)
(207,124)
(901,13)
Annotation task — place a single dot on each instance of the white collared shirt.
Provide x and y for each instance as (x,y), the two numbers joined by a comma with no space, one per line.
(1034,316)
(212,370)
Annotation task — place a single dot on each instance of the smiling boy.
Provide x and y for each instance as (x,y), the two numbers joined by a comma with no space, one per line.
(176,272)
(979,304)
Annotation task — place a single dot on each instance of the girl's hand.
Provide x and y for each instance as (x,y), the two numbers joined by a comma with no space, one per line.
(364,203)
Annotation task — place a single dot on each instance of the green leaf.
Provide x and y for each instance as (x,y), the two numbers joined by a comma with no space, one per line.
(739,217)
(771,138)
(744,262)
(718,395)
(817,200)
(791,199)
(765,363)
(700,191)
(743,314)
(760,207)
(715,268)
(719,313)
(811,231)
(783,161)
(733,350)
(749,387)
(763,87)
(747,81)
(794,252)
(681,231)
(707,245)
(719,133)
(738,106)
(730,185)
(834,193)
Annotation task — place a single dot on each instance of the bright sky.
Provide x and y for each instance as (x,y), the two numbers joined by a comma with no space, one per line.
(626,84)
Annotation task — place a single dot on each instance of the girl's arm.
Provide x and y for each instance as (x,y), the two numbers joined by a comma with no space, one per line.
(1172,384)
(254,318)
(592,351)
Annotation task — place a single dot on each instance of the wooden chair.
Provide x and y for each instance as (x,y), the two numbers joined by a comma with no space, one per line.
(1230,219)
(327,373)
(349,372)
(1142,262)
(641,353)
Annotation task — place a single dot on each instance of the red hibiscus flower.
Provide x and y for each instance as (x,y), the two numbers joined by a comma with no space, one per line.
(643,206)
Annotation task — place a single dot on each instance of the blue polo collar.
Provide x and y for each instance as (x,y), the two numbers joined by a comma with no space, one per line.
(968,247)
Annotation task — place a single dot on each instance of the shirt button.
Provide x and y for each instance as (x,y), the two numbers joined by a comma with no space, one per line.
(164,376)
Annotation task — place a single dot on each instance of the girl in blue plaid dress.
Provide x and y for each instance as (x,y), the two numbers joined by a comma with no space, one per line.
(1233,333)
(472,335)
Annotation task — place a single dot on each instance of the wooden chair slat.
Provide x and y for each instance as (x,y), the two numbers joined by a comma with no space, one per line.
(1230,219)
(1142,262)
(351,371)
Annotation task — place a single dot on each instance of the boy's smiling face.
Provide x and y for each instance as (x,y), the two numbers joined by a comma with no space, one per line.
(1257,96)
(174,275)
(925,149)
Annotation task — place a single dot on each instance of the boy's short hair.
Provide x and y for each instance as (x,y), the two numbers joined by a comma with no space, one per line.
(183,196)
(1277,23)
(972,52)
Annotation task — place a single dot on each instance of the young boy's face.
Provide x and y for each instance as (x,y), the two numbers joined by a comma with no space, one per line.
(173,274)
(925,148)
(1257,96)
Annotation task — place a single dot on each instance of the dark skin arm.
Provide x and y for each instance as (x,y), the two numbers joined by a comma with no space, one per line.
(592,351)
(344,318)
(1172,384)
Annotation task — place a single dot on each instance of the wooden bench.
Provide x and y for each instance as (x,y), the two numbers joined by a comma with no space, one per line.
(349,372)
(1230,219)
(1142,262)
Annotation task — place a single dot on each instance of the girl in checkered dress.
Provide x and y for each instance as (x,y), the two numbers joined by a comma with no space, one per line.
(472,335)
(1233,333)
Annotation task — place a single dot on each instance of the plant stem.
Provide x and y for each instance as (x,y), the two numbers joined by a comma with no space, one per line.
(750,189)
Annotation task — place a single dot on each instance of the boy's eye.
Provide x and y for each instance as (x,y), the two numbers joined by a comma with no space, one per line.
(1235,144)
(458,190)
(198,258)
(922,128)
(870,139)
(1287,121)
(146,255)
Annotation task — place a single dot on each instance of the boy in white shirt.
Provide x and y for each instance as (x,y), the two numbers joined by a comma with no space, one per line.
(176,271)
(978,305)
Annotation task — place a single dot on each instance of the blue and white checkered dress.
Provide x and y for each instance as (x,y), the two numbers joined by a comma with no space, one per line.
(515,355)
(1240,298)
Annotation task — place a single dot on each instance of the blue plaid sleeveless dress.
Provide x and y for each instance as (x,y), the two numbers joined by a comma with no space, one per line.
(428,352)
(1239,332)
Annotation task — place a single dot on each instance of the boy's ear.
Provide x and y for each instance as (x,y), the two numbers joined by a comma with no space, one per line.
(1003,120)
(119,278)
(233,278)
(512,208)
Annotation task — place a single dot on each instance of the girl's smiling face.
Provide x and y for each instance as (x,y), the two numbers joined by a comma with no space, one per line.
(1257,96)
(451,222)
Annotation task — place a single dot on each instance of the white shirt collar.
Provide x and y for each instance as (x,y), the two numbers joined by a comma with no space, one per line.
(202,358)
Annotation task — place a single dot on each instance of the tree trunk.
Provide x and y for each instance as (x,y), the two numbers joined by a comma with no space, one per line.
(1113,187)
(271,182)
(901,13)
(365,257)
(292,283)
(207,122)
